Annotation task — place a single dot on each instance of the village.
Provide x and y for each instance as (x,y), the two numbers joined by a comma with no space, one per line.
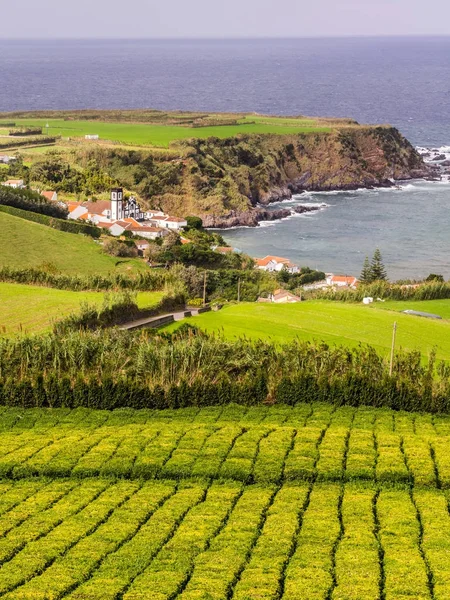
(121,215)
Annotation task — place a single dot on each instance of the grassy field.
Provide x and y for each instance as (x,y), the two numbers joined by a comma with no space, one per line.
(305,502)
(161,135)
(29,309)
(334,323)
(26,244)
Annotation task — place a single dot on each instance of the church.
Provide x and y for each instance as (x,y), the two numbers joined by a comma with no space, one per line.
(123,209)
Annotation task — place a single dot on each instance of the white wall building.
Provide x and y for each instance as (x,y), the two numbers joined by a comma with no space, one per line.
(276,264)
(14,183)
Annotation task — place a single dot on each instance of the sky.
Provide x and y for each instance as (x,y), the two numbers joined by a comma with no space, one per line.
(221,18)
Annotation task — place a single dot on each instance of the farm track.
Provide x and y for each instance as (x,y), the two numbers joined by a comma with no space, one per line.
(232,502)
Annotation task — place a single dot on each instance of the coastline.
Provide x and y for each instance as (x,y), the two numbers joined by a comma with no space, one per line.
(433,171)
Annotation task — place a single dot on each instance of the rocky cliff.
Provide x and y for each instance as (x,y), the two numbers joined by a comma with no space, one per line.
(228,181)
(224,180)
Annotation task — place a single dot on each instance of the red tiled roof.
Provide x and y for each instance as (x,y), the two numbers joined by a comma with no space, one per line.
(145,228)
(263,262)
(174,220)
(344,279)
(49,195)
(97,208)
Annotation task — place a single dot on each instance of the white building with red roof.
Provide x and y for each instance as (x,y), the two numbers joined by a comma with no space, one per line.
(50,195)
(14,183)
(341,281)
(276,264)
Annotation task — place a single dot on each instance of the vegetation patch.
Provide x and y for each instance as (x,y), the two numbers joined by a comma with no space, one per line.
(240,502)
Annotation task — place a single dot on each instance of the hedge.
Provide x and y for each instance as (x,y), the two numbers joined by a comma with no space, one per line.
(30,201)
(54,223)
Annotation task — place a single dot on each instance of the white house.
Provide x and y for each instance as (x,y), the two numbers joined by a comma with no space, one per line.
(276,263)
(149,214)
(147,231)
(91,137)
(175,223)
(341,281)
(284,297)
(115,229)
(142,246)
(14,183)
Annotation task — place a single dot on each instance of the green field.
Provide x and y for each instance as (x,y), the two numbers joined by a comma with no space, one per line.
(25,244)
(244,503)
(29,309)
(335,323)
(161,135)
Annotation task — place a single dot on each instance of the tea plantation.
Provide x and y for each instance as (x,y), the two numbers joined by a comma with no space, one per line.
(304,502)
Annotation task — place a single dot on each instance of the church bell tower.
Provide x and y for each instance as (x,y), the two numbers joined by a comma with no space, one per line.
(116,204)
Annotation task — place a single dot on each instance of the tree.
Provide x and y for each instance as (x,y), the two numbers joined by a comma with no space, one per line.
(366,273)
(119,249)
(377,269)
(170,240)
(194,223)
(152,253)
(435,277)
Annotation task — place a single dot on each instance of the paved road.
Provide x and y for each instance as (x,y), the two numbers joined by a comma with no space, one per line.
(160,320)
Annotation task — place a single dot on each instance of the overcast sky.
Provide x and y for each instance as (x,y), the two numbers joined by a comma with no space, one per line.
(221,18)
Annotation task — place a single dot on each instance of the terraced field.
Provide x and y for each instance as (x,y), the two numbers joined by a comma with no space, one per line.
(305,502)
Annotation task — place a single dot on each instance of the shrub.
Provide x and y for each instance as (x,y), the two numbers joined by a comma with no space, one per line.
(115,247)
(30,201)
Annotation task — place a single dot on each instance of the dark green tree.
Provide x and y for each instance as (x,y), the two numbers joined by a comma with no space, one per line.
(366,273)
(377,269)
(435,277)
(194,223)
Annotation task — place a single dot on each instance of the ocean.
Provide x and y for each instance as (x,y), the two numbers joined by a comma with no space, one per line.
(401,81)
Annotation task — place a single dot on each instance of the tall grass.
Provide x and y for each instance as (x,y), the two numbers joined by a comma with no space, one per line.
(385,290)
(140,282)
(114,368)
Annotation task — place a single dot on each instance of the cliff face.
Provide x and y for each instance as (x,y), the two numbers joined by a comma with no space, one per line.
(223,180)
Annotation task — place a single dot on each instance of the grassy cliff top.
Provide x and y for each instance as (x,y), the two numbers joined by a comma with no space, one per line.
(158,128)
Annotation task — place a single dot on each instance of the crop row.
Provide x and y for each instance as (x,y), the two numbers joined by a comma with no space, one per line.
(43,419)
(161,540)
(322,443)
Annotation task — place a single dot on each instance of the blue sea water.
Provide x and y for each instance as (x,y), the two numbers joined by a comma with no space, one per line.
(402,81)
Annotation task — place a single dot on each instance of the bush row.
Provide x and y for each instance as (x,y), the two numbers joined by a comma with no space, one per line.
(13,143)
(27,200)
(54,223)
(53,392)
(296,372)
(56,391)
(145,281)
(385,290)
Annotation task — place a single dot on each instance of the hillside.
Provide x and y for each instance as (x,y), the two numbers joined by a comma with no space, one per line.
(25,244)
(334,323)
(217,166)
(224,503)
(29,309)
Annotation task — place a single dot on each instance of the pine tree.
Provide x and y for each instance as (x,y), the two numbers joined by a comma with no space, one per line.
(366,273)
(377,270)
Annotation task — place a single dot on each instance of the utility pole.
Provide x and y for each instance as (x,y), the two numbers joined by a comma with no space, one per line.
(239,290)
(204,289)
(394,333)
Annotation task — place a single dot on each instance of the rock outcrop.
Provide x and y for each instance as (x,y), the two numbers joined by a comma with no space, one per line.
(225,180)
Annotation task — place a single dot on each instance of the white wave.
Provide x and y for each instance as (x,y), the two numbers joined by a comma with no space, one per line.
(270,223)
